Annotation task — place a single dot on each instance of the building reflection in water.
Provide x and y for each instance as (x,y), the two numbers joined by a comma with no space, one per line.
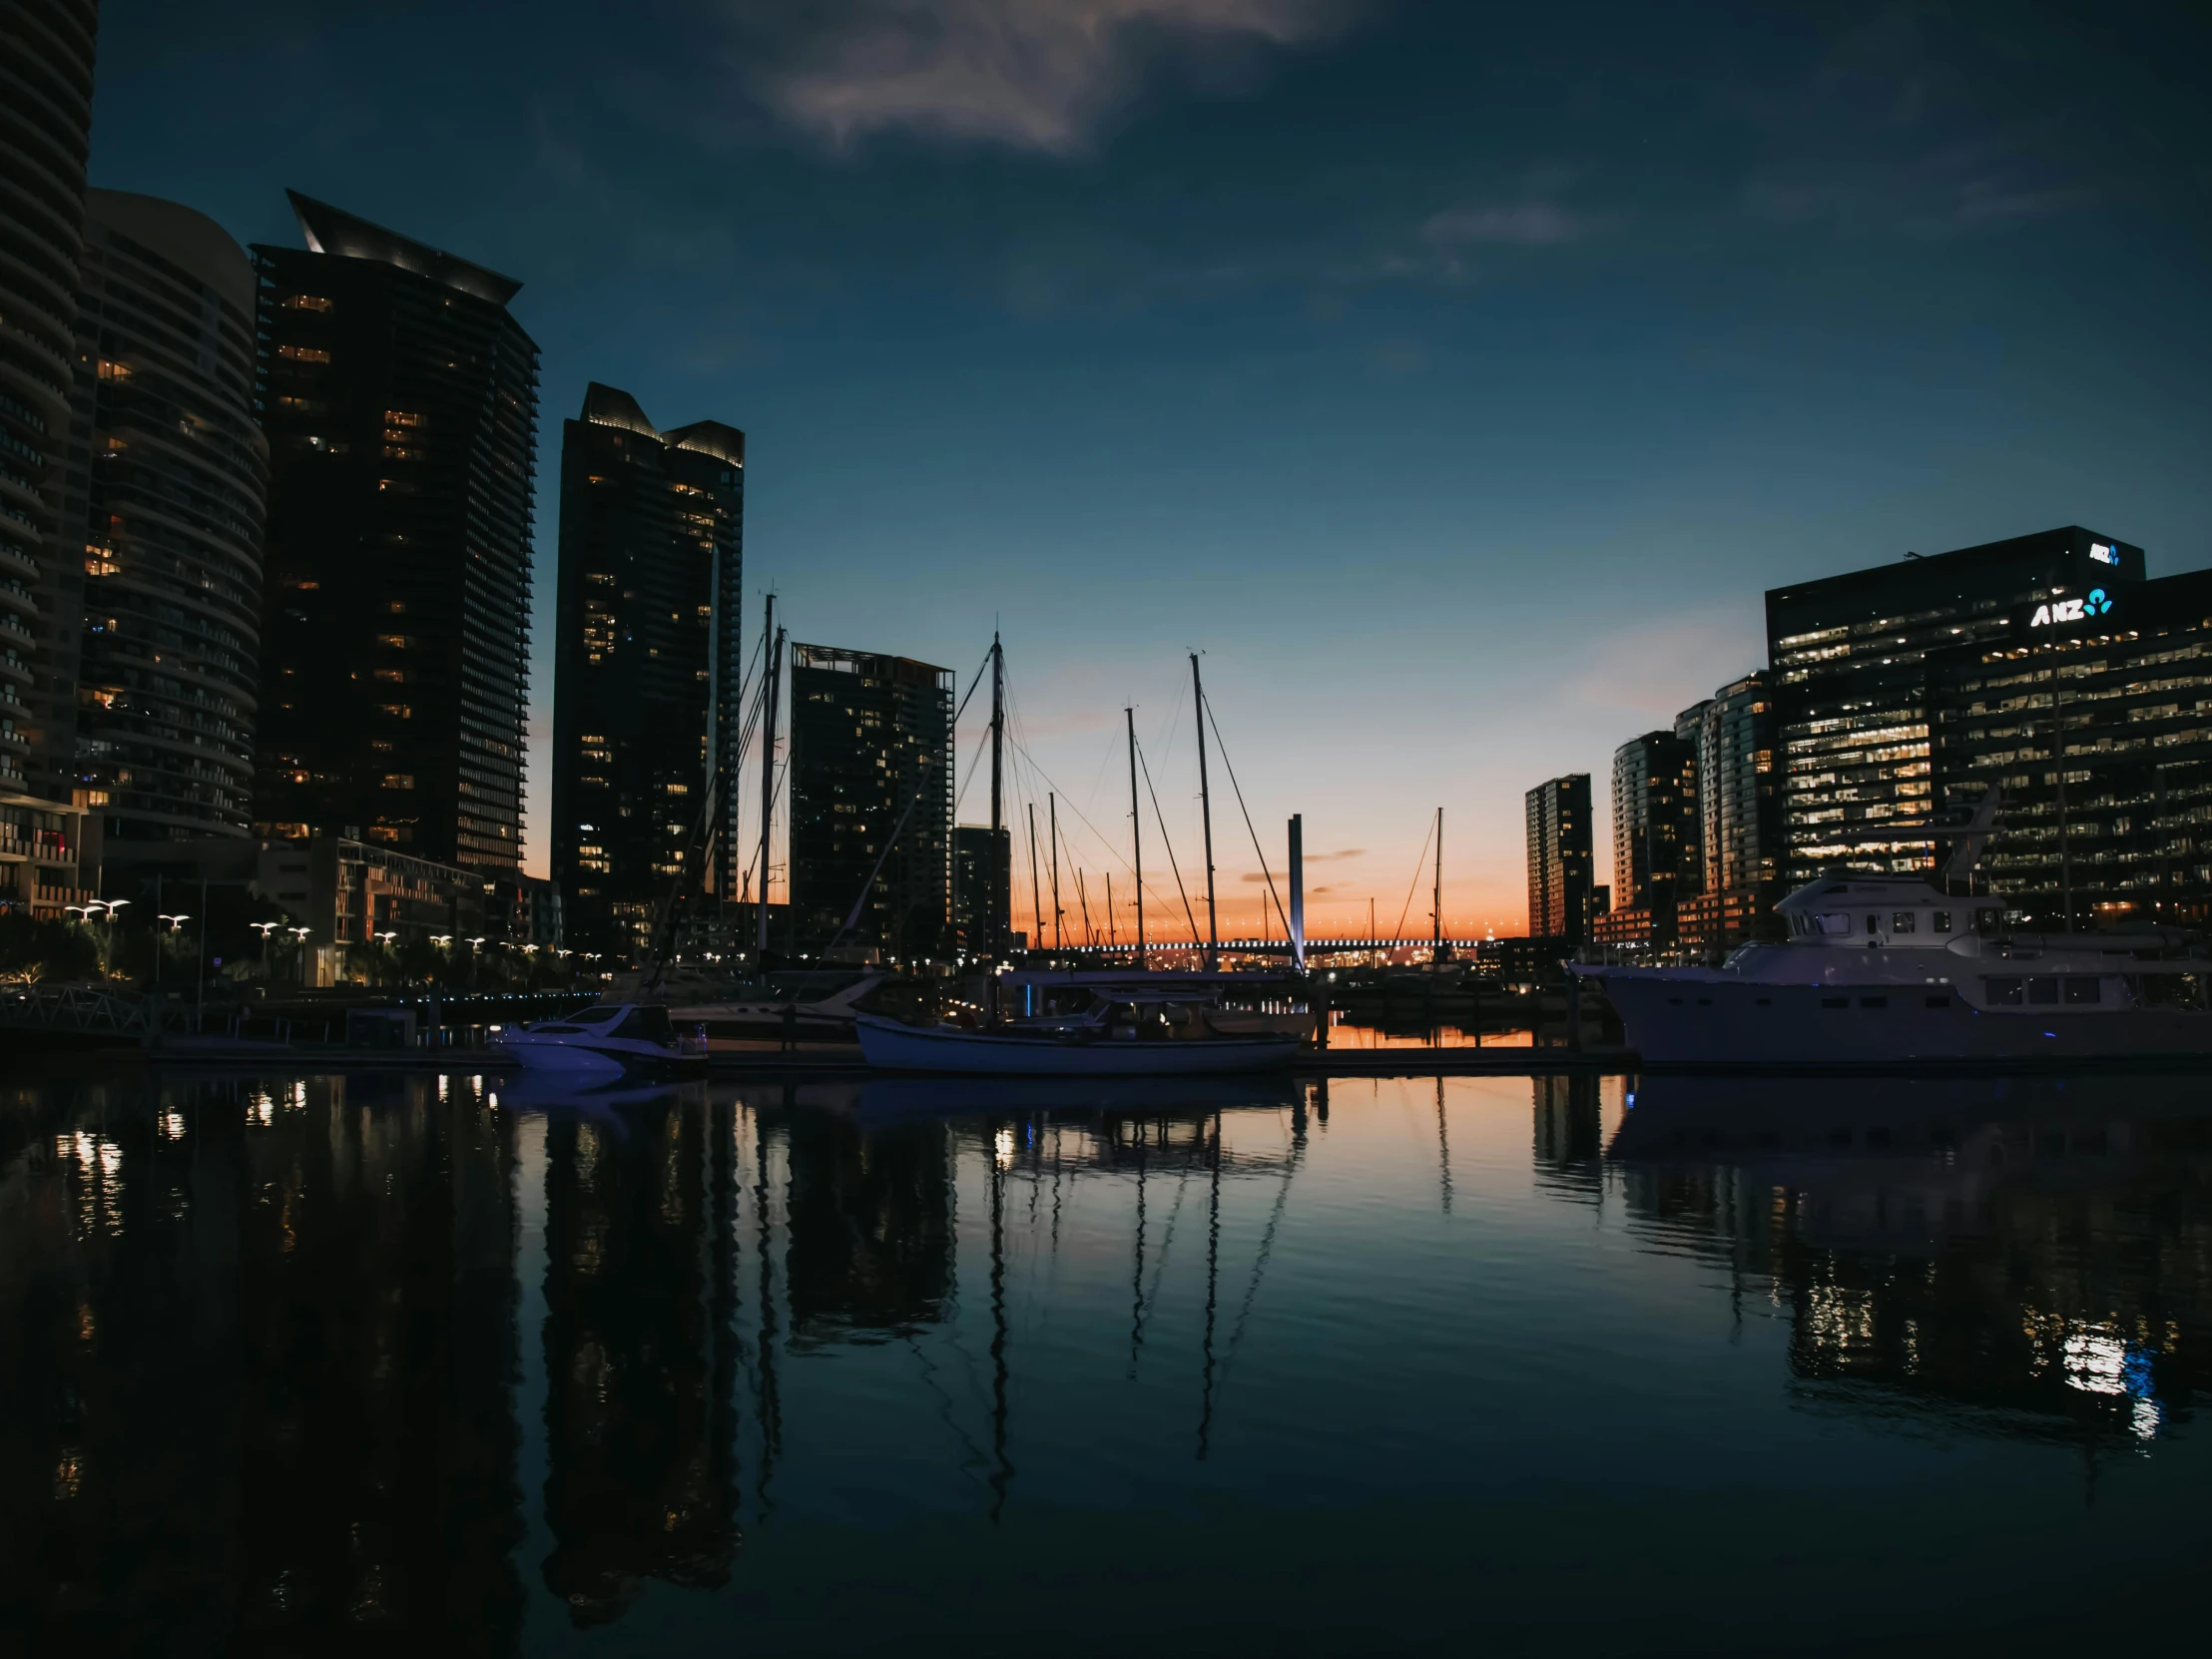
(640,1351)
(2029,1256)
(256,1349)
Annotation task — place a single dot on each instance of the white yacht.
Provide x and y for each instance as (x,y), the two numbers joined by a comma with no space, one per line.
(607,1041)
(1889,970)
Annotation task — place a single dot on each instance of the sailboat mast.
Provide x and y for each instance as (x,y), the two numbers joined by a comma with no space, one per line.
(1036,894)
(1437,915)
(1053,846)
(993,896)
(1136,829)
(768,772)
(1206,821)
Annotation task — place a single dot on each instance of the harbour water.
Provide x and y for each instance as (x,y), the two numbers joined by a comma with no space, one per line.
(1559,1364)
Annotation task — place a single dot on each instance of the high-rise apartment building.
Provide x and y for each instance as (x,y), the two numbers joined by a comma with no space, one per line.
(46,59)
(870,799)
(1559,859)
(1657,858)
(983,889)
(1848,667)
(647,661)
(2092,719)
(399,397)
(166,467)
(1738,785)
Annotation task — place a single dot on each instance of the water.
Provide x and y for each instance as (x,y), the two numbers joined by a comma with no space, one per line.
(1498,1364)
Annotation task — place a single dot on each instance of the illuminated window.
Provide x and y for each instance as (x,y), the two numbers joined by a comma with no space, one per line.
(398,779)
(110,370)
(100,561)
(401,417)
(394,642)
(393,674)
(306,303)
(398,710)
(296,353)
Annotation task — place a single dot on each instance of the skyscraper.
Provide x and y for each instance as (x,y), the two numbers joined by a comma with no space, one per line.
(1656,856)
(871,791)
(983,888)
(648,661)
(167,469)
(1847,655)
(46,58)
(400,396)
(1739,795)
(1559,859)
(2117,831)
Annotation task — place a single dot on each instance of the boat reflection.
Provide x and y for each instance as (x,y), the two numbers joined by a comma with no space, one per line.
(2028,1256)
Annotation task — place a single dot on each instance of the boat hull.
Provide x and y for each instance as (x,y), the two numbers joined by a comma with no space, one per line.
(1710,1021)
(890,1046)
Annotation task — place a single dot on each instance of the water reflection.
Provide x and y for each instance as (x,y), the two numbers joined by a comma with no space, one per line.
(640,1349)
(331,1361)
(2024,1256)
(259,1347)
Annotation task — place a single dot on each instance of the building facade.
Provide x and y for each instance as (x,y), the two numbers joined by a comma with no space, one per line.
(1561,858)
(1739,788)
(649,663)
(870,799)
(1848,667)
(46,61)
(2094,724)
(983,889)
(164,493)
(1657,858)
(399,397)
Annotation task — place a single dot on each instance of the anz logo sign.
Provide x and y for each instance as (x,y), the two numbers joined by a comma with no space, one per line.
(2096,603)
(2104,553)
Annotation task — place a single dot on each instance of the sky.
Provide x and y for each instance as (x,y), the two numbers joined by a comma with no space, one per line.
(1454,377)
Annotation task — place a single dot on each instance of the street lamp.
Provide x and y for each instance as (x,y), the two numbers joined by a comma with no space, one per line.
(441,938)
(388,937)
(175,921)
(265,929)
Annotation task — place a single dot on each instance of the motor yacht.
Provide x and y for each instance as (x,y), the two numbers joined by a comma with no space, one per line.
(1884,972)
(608,1040)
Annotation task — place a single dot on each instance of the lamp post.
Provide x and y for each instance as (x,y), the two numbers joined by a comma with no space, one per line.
(300,935)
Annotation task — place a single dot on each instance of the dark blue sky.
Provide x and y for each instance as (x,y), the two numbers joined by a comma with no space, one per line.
(1455,375)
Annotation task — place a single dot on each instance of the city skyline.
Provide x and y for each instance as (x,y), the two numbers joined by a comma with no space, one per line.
(1464,438)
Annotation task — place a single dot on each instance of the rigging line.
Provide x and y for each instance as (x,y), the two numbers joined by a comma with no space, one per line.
(1146,769)
(1260,1265)
(1015,743)
(1223,748)
(1419,864)
(1104,841)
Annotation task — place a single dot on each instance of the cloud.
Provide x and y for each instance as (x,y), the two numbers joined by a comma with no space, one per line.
(1527,225)
(1327,857)
(1031,74)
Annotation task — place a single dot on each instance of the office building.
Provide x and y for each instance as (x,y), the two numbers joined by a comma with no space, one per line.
(46,58)
(1847,668)
(164,494)
(399,397)
(649,662)
(2110,824)
(982,890)
(870,801)
(1559,859)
